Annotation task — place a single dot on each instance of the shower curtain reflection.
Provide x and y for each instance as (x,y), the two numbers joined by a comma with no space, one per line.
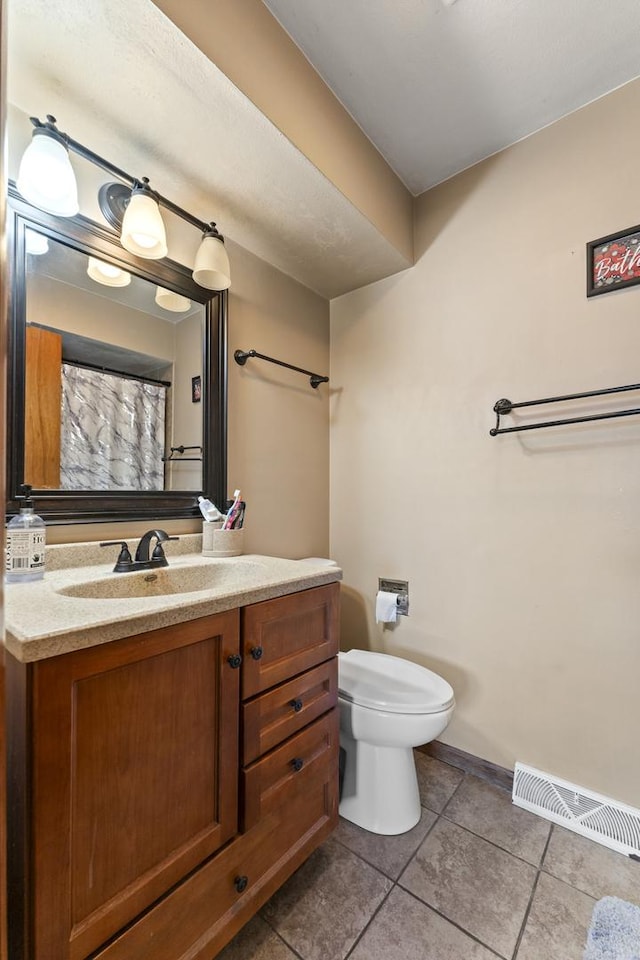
(112,431)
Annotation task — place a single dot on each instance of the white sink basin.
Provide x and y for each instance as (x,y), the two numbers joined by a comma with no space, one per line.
(165,581)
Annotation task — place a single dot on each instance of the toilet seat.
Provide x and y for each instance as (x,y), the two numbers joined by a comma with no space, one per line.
(382,682)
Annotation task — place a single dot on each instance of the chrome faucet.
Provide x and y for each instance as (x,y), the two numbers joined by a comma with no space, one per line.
(125,564)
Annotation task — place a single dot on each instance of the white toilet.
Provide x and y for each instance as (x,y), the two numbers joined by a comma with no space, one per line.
(388,706)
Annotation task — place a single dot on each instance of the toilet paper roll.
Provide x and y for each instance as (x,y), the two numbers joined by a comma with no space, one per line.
(386,607)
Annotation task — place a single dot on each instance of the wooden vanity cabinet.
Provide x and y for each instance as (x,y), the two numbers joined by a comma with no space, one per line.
(162,809)
(132,775)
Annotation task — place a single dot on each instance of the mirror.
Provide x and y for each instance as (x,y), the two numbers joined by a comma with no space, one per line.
(117,376)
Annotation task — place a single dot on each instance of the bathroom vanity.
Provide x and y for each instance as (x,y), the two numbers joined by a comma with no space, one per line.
(174,757)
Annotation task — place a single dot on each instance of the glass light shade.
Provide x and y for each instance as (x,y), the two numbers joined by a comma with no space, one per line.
(46,178)
(143,230)
(107,274)
(211,268)
(35,243)
(169,300)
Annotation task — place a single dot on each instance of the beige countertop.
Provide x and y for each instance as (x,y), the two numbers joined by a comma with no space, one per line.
(45,619)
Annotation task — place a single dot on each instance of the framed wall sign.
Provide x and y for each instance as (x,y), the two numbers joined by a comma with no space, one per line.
(613,262)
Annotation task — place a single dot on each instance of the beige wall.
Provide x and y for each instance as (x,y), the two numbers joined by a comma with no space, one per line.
(522,552)
(251,48)
(278,424)
(68,308)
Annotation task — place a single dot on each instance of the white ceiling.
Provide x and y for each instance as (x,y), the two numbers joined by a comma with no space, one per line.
(439,85)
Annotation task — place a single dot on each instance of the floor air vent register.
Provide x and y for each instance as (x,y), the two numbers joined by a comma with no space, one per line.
(599,818)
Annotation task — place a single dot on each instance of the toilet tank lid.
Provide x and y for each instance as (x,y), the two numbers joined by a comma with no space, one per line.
(391,684)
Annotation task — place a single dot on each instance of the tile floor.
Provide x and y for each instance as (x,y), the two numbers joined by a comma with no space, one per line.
(476,879)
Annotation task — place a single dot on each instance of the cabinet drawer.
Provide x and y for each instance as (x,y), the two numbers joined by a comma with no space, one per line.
(286,636)
(209,905)
(268,783)
(272,717)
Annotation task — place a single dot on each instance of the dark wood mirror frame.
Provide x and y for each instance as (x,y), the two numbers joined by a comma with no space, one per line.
(87,506)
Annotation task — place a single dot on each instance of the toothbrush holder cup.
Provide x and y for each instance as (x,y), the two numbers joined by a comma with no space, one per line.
(221,543)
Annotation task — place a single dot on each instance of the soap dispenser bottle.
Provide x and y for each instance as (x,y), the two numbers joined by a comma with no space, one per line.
(25,543)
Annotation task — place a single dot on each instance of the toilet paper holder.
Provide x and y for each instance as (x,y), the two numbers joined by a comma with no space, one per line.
(399,587)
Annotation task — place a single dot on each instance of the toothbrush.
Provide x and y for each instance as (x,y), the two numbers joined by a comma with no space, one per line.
(233,509)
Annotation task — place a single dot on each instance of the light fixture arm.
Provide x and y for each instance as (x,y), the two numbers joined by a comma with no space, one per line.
(95,158)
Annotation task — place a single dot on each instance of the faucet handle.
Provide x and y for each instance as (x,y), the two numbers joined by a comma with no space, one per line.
(158,552)
(124,560)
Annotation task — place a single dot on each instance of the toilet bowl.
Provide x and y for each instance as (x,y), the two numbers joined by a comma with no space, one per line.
(387,706)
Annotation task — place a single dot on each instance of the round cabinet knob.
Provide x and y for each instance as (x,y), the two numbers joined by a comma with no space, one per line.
(297,764)
(234,661)
(256,652)
(297,705)
(240,883)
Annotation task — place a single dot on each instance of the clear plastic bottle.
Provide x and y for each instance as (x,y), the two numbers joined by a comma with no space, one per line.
(26,537)
(208,510)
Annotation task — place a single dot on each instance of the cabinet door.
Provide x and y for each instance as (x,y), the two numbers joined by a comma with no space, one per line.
(135,776)
(42,396)
(283,637)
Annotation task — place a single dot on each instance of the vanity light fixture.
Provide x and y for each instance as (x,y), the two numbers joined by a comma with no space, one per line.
(211,268)
(45,177)
(143,230)
(107,274)
(47,181)
(169,300)
(35,243)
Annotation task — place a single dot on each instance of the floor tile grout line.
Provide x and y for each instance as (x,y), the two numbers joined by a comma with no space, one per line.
(546,847)
(525,919)
(453,923)
(585,893)
(281,938)
(527,912)
(369,921)
(548,873)
(443,813)
(409,858)
(493,843)
(376,866)
(468,772)
(458,785)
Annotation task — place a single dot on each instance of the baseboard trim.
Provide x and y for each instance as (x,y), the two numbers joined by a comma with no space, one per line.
(491,772)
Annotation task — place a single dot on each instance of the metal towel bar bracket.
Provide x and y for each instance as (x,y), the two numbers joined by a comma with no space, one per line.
(181,449)
(504,406)
(241,357)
